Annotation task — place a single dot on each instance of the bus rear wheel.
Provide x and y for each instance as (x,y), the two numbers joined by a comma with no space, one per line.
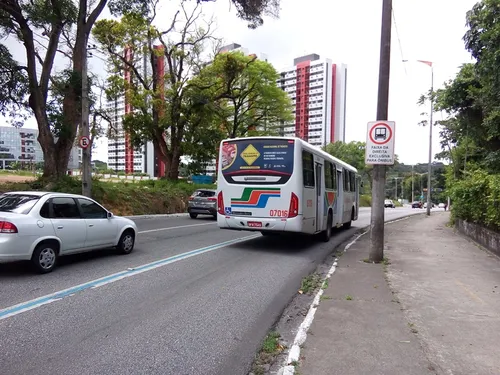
(349,223)
(327,233)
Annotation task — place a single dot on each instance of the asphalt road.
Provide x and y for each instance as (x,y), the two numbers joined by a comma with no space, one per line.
(204,312)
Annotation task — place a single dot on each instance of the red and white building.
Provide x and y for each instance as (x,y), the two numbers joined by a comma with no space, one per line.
(317,88)
(122,157)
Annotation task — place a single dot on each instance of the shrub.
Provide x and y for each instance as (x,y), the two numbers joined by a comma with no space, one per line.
(122,198)
(476,198)
(365,200)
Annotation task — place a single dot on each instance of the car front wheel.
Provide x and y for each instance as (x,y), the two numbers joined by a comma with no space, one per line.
(126,243)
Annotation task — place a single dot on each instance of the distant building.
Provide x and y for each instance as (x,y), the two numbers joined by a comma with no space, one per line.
(20,146)
(317,88)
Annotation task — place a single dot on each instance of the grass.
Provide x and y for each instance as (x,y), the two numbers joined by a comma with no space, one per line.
(270,349)
(310,283)
(139,198)
(348,298)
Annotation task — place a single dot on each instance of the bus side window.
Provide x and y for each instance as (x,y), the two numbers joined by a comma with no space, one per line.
(345,173)
(329,176)
(352,180)
(308,169)
(334,174)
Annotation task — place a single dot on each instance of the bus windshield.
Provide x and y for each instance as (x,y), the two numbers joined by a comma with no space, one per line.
(257,161)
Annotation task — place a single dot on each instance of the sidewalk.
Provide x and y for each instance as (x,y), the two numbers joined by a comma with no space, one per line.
(440,313)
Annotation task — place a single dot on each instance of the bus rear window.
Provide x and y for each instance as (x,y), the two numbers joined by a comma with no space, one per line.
(257,161)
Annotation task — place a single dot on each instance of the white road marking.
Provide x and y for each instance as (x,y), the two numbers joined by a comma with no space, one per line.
(177,227)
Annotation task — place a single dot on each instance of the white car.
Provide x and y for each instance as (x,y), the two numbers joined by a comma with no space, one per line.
(41,226)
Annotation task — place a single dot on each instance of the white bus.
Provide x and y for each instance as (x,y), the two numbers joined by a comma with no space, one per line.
(277,184)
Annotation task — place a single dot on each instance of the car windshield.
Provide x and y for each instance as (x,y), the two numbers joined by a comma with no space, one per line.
(17,203)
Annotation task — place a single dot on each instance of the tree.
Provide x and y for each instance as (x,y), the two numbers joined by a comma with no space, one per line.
(13,87)
(248,10)
(55,30)
(152,68)
(49,30)
(243,95)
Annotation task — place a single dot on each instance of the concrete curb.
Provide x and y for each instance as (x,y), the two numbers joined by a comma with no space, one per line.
(157,216)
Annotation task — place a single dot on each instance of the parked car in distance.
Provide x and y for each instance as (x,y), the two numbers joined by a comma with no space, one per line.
(388,203)
(441,205)
(433,205)
(416,204)
(202,202)
(42,226)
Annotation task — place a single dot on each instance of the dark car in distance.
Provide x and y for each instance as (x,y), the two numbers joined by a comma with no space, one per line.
(202,202)
(416,204)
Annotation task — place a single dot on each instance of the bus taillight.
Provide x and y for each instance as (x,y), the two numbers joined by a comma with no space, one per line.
(294,206)
(220,203)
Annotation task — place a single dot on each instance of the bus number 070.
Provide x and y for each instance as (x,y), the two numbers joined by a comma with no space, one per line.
(278,213)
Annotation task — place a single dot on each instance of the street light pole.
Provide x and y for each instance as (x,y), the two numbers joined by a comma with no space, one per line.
(429,171)
(429,167)
(379,171)
(412,186)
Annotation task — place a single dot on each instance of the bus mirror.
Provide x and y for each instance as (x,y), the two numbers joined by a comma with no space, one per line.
(361,184)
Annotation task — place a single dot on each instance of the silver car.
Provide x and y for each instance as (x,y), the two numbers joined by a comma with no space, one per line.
(202,202)
(42,226)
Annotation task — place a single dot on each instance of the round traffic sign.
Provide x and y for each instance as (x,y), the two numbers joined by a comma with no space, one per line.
(84,142)
(380,133)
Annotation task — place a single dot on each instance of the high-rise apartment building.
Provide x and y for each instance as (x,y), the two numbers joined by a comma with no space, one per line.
(122,156)
(317,88)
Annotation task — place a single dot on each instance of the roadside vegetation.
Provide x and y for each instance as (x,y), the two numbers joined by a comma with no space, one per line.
(122,198)
(470,133)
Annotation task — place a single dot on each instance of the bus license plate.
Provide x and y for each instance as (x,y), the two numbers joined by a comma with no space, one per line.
(255,224)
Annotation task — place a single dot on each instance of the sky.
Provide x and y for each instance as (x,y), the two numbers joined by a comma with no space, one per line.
(349,32)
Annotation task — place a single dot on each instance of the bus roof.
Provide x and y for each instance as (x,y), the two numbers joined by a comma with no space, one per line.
(304,144)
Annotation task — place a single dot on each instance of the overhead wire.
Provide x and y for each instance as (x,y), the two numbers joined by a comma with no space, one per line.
(399,38)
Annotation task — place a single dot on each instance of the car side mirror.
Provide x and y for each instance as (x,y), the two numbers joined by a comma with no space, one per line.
(110,215)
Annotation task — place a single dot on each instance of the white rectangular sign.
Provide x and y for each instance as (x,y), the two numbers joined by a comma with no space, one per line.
(380,143)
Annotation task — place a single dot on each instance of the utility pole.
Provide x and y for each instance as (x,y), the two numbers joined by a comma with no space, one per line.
(87,151)
(379,171)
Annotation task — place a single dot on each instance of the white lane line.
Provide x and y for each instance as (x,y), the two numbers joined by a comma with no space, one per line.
(57,296)
(177,227)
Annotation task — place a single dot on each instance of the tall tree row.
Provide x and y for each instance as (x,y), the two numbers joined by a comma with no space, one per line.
(470,133)
(46,84)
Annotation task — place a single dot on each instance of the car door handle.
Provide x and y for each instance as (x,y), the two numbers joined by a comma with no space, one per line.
(60,227)
(91,225)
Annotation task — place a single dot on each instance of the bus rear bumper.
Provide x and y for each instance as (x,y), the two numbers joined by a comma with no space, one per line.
(260,224)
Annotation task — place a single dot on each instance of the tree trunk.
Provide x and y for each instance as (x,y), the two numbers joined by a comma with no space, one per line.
(55,163)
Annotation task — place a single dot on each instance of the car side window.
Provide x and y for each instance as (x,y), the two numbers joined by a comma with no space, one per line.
(92,210)
(65,208)
(45,210)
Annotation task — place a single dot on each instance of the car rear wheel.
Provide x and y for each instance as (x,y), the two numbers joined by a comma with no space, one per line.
(45,256)
(193,216)
(126,242)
